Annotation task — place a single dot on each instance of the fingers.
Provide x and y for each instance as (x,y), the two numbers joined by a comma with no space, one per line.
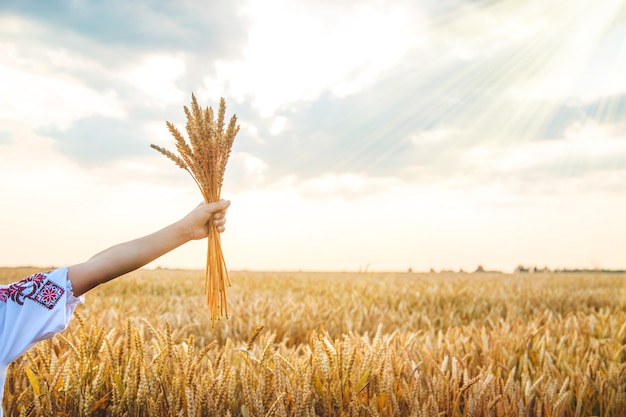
(218,210)
(219,220)
(218,206)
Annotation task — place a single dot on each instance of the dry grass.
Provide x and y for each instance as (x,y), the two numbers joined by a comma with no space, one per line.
(336,344)
(205,158)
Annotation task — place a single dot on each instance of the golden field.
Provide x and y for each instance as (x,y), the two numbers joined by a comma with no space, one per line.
(334,344)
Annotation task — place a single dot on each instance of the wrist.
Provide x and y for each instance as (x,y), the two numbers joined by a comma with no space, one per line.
(184,231)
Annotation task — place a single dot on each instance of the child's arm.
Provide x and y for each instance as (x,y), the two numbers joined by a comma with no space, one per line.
(126,257)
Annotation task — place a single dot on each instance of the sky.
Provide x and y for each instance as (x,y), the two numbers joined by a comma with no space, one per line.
(375,135)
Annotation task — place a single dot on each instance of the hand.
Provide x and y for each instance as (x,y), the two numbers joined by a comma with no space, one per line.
(197,222)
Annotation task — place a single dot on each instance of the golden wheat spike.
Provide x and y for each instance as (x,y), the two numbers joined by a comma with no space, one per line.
(177,160)
(181,145)
(195,138)
(226,143)
(221,113)
(198,147)
(255,334)
(196,129)
(201,147)
(209,125)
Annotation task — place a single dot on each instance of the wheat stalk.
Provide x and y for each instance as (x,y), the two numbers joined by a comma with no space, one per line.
(205,158)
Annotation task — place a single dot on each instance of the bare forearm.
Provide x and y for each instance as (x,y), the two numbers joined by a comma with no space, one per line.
(126,257)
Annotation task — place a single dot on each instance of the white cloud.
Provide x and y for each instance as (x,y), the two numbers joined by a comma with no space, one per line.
(254,166)
(37,86)
(553,164)
(247,170)
(37,98)
(156,77)
(499,28)
(436,136)
(278,125)
(346,185)
(160,134)
(294,54)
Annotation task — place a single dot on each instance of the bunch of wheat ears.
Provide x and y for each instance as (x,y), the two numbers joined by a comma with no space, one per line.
(205,158)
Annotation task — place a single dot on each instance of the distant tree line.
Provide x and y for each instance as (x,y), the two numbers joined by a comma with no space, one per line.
(535,270)
(522,269)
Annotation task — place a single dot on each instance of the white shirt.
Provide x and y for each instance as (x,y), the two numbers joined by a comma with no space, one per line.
(33,309)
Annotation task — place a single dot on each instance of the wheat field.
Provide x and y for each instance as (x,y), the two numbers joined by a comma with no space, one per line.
(334,344)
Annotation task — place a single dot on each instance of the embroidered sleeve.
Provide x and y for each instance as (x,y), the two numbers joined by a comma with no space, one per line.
(35,287)
(34,309)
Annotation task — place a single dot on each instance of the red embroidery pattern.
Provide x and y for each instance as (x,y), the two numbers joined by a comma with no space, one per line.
(49,295)
(34,287)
